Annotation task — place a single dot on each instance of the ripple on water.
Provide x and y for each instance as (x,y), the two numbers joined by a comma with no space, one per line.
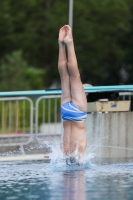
(40,180)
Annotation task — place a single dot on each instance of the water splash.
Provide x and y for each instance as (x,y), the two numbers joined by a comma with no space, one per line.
(58,159)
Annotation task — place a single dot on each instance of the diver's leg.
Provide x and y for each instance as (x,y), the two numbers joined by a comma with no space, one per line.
(63,69)
(77,90)
(65,84)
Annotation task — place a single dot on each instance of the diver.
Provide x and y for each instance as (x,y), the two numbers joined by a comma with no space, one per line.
(73,99)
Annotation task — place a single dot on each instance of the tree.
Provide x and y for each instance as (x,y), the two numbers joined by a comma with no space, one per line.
(128,59)
(16,74)
(34,78)
(100,35)
(100,49)
(12,72)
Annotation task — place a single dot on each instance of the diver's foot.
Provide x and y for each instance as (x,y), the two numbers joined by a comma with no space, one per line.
(62,34)
(68,38)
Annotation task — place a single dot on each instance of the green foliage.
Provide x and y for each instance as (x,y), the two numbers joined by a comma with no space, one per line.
(35,78)
(100,50)
(102,34)
(15,74)
(128,65)
(12,72)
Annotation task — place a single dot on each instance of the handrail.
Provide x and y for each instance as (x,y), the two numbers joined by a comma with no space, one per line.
(119,88)
(31,119)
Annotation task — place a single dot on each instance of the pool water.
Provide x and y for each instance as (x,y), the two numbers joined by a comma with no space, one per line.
(98,179)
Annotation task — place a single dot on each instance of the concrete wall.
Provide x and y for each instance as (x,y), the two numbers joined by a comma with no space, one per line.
(110,135)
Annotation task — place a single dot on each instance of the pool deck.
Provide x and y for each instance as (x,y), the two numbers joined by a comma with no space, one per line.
(26,157)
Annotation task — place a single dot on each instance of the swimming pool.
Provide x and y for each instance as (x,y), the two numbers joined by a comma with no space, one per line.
(102,179)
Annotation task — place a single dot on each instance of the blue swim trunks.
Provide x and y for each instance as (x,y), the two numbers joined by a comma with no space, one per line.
(70,112)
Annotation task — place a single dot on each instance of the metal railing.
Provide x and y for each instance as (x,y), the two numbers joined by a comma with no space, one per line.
(48,108)
(24,117)
(16,116)
(128,95)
